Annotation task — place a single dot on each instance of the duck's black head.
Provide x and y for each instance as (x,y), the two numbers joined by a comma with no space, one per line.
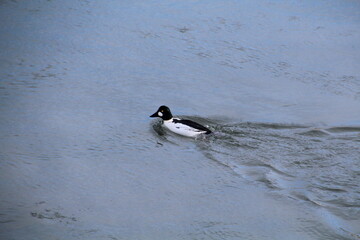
(163,112)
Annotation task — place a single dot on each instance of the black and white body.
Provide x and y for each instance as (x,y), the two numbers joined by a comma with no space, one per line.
(182,127)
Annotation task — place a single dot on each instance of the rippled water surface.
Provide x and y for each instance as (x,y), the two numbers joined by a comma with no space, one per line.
(278,82)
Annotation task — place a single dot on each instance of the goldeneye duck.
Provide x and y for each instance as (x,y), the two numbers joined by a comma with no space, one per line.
(183,127)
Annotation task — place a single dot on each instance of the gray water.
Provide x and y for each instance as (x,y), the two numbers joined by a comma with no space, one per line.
(277,81)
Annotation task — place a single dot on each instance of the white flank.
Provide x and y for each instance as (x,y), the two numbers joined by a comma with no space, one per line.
(182,129)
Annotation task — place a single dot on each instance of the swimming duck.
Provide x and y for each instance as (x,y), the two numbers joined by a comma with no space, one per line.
(182,127)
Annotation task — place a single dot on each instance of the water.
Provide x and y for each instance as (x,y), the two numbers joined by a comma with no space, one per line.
(278,83)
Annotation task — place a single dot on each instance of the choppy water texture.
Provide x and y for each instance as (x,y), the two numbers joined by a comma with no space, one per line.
(277,81)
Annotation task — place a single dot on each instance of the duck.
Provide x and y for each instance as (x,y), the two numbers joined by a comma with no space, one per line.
(179,126)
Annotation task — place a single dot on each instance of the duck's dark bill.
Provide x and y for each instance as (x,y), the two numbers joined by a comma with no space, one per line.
(154,115)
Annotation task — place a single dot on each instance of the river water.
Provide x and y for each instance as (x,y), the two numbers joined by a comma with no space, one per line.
(277,81)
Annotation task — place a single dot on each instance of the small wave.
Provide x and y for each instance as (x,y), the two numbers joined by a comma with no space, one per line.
(261,125)
(315,133)
(304,197)
(278,125)
(270,167)
(335,190)
(344,129)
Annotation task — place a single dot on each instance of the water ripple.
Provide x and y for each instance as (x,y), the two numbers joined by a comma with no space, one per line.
(279,156)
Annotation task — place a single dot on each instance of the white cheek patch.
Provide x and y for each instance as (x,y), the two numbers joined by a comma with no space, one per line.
(160,114)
